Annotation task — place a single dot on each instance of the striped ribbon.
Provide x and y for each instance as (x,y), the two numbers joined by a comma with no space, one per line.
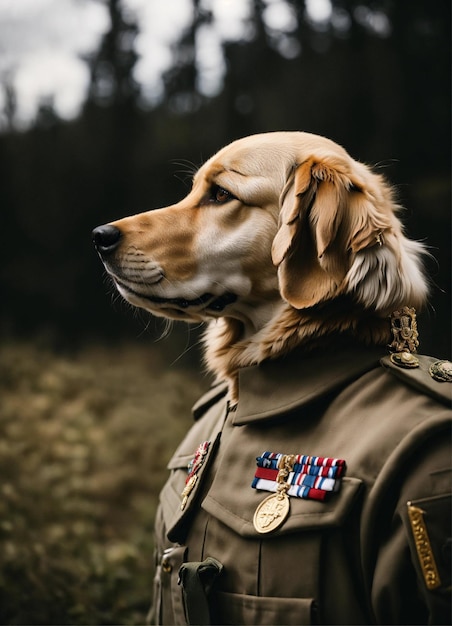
(312,477)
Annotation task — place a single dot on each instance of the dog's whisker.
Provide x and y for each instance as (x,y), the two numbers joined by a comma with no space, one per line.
(188,171)
(166,330)
(386,163)
(187,349)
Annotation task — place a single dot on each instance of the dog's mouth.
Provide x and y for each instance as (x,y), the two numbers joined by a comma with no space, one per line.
(207,301)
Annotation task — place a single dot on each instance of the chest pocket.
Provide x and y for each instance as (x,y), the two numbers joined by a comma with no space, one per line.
(305,515)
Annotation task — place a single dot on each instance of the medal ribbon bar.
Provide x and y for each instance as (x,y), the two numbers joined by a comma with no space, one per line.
(311,477)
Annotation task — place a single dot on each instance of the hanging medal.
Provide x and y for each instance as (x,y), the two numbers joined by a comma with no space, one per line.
(273,511)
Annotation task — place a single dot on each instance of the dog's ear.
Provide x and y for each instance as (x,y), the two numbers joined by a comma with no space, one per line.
(326,217)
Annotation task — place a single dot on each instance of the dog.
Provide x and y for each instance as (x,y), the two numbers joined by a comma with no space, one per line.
(295,256)
(283,240)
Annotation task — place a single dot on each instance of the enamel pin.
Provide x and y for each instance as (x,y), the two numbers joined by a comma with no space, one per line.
(193,468)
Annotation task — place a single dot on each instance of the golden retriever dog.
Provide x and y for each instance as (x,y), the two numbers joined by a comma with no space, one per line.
(283,240)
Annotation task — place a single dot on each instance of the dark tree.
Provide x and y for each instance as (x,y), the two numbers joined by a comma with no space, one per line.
(111,67)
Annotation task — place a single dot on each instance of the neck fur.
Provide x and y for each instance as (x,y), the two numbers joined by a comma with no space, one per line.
(227,351)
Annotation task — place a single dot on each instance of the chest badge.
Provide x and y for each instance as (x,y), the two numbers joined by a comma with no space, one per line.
(193,468)
(295,475)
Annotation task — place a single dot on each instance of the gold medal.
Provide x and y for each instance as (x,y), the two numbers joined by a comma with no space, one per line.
(271,512)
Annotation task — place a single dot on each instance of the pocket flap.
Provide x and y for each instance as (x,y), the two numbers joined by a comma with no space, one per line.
(237,510)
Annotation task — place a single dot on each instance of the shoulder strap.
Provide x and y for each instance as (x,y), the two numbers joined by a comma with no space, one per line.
(422,377)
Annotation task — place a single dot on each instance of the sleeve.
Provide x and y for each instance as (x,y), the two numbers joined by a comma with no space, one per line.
(412,578)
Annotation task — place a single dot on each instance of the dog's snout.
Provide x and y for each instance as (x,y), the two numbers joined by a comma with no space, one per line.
(106,238)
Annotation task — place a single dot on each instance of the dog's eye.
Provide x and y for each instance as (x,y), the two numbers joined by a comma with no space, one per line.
(220,195)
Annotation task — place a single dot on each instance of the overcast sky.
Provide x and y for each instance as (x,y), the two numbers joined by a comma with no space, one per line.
(42,41)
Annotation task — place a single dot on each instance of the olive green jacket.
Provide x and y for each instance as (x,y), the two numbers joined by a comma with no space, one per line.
(377,551)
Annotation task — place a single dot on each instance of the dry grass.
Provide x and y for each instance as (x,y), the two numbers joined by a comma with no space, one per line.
(84,441)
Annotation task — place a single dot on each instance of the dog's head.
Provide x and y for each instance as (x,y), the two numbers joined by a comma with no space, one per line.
(273,220)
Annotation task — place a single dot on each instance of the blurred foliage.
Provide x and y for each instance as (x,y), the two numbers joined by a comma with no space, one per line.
(84,442)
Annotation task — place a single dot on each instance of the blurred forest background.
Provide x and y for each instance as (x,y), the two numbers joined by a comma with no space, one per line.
(85,385)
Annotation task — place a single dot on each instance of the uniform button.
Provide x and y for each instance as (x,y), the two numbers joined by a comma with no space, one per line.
(441,371)
(405,359)
(166,566)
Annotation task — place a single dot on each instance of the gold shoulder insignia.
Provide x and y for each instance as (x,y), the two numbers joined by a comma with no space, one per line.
(404,330)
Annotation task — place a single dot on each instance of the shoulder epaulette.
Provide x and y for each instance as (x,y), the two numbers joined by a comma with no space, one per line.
(426,374)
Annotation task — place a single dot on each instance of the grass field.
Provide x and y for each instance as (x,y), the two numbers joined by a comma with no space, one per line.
(84,441)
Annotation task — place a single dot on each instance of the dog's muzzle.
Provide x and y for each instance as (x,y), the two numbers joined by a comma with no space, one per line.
(106,239)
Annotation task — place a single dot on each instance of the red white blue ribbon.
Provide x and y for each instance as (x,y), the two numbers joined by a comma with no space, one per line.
(312,477)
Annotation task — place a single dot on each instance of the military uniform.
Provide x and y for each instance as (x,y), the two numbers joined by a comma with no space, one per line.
(376,550)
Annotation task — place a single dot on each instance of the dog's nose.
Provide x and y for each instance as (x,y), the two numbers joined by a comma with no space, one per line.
(106,238)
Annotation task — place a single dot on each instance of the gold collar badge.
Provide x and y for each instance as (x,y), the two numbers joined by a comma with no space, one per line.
(405,338)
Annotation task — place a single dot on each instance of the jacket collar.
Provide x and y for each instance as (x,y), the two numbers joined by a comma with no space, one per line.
(299,378)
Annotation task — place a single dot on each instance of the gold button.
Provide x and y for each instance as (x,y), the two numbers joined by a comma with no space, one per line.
(166,566)
(404,359)
(441,371)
